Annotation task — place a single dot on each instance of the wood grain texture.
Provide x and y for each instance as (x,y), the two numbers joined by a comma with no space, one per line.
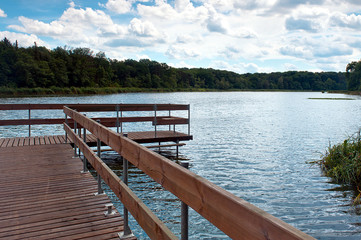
(234,216)
(150,223)
(44,195)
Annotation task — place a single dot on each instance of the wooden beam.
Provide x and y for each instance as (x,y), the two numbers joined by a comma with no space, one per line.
(97,107)
(234,216)
(150,223)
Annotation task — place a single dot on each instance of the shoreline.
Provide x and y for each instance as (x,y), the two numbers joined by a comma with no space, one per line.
(84,91)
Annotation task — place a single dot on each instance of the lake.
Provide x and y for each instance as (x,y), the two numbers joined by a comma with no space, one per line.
(256,145)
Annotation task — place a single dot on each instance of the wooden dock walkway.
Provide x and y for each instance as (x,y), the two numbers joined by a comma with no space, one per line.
(44,195)
(140,137)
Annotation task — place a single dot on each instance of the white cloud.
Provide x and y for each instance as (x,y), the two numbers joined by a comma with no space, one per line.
(236,67)
(232,34)
(75,25)
(145,29)
(352,21)
(24,40)
(181,53)
(72,4)
(118,6)
(2,13)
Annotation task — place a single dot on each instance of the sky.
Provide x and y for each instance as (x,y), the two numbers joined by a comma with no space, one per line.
(243,36)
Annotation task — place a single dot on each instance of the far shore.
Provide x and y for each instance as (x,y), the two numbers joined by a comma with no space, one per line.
(56,91)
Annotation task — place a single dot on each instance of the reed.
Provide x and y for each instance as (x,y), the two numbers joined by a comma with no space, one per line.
(342,162)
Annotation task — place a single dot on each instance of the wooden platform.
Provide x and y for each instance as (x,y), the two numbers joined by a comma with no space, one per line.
(44,195)
(140,137)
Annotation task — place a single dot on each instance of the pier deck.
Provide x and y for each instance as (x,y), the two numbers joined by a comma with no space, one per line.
(140,137)
(44,195)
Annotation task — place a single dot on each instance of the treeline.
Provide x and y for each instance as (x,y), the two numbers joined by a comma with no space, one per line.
(353,74)
(39,67)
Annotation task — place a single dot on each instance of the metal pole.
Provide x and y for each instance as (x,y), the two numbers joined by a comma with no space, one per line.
(79,133)
(127,230)
(169,124)
(177,148)
(66,134)
(85,161)
(75,127)
(189,119)
(184,212)
(155,120)
(29,121)
(117,109)
(121,123)
(100,189)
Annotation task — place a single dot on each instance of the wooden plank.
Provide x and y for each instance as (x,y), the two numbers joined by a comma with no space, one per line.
(170,121)
(150,223)
(10,142)
(2,140)
(33,121)
(31,141)
(166,145)
(234,216)
(49,198)
(16,142)
(46,140)
(37,140)
(30,106)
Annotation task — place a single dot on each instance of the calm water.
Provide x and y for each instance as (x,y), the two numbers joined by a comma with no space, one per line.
(254,144)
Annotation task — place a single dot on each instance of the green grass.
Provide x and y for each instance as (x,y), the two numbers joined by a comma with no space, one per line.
(342,162)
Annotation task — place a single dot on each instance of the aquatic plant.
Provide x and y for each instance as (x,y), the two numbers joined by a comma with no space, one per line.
(342,162)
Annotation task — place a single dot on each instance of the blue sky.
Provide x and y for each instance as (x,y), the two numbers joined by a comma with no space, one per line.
(237,35)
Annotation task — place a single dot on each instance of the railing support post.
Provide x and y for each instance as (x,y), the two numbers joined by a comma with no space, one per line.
(66,134)
(29,121)
(155,120)
(189,119)
(117,109)
(184,213)
(75,127)
(127,232)
(85,161)
(100,189)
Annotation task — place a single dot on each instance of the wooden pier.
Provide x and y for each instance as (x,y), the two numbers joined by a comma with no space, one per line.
(44,195)
(47,194)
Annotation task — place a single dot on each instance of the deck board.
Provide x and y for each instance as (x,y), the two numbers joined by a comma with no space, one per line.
(140,137)
(44,195)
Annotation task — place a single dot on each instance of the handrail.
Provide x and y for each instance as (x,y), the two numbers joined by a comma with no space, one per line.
(96,107)
(109,121)
(234,216)
(150,223)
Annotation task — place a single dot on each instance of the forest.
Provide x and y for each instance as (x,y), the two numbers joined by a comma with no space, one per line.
(64,67)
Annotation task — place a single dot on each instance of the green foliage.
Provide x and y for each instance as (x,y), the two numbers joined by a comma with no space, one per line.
(342,162)
(80,71)
(353,74)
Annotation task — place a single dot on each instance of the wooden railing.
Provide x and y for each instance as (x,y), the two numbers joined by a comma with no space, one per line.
(115,121)
(234,216)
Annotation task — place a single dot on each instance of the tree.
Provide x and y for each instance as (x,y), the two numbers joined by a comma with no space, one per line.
(353,75)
